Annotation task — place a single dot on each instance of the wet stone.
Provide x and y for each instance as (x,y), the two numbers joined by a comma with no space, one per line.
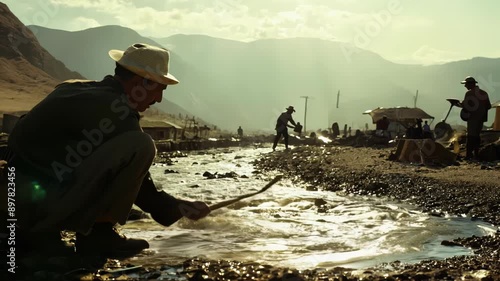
(311,188)
(450,243)
(168,171)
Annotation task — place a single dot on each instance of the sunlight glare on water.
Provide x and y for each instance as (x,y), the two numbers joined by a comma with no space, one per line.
(284,225)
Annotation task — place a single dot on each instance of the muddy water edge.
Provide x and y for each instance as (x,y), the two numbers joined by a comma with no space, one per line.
(316,166)
(438,197)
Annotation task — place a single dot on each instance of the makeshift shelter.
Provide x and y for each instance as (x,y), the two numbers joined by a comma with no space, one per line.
(405,116)
(160,130)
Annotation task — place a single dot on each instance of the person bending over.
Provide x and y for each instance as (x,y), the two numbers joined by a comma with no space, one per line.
(81,159)
(282,126)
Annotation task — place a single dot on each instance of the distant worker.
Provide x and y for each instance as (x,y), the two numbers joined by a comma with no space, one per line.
(427,131)
(426,127)
(419,132)
(298,129)
(240,132)
(475,108)
(335,130)
(382,126)
(345,130)
(282,126)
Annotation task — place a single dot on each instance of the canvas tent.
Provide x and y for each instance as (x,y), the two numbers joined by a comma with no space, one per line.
(406,116)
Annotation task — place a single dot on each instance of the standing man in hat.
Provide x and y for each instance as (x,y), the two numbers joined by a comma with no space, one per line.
(81,159)
(282,126)
(475,108)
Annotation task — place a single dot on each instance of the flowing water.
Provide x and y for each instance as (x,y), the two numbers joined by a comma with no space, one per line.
(284,227)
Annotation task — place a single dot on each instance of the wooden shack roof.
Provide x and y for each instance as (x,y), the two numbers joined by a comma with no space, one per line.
(158,124)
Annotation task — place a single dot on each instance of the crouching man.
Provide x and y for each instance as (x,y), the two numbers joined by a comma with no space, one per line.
(82,160)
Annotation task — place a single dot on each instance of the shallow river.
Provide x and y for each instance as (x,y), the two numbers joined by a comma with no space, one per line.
(284,227)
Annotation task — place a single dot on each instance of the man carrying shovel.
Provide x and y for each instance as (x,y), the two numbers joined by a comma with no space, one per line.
(475,108)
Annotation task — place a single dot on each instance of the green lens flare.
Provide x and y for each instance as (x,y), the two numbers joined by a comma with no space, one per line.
(38,193)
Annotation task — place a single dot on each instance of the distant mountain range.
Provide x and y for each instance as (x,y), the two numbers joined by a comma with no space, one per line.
(29,72)
(231,83)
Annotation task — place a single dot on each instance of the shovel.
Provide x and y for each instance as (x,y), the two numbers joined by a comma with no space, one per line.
(231,201)
(442,128)
(453,102)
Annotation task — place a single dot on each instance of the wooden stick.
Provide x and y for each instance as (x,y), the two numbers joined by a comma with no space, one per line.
(231,201)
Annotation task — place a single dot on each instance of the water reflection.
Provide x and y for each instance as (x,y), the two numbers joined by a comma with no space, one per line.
(284,225)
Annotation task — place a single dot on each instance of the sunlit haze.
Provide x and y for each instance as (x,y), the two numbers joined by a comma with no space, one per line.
(423,32)
(241,63)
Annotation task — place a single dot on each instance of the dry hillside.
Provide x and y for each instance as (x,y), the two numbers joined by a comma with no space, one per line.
(29,72)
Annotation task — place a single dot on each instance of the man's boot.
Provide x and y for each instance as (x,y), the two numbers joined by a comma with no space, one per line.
(105,240)
(477,145)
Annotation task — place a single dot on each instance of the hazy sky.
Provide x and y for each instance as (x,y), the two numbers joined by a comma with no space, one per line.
(410,31)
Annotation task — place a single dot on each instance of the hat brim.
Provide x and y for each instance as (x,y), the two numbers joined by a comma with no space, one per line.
(465,82)
(168,79)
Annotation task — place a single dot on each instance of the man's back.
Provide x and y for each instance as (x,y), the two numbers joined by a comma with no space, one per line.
(283,120)
(477,103)
(70,123)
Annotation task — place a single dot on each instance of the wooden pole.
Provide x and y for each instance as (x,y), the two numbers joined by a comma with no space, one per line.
(305,113)
(338,97)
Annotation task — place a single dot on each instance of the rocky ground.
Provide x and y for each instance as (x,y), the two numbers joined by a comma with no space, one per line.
(466,188)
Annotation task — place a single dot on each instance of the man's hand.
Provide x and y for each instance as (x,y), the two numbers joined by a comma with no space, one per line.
(194,210)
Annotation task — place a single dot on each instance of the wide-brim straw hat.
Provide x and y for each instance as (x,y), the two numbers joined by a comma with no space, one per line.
(290,108)
(147,61)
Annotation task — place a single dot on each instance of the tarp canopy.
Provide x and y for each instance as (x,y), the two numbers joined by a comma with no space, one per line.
(399,114)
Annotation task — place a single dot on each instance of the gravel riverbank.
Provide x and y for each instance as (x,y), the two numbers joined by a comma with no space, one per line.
(466,189)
